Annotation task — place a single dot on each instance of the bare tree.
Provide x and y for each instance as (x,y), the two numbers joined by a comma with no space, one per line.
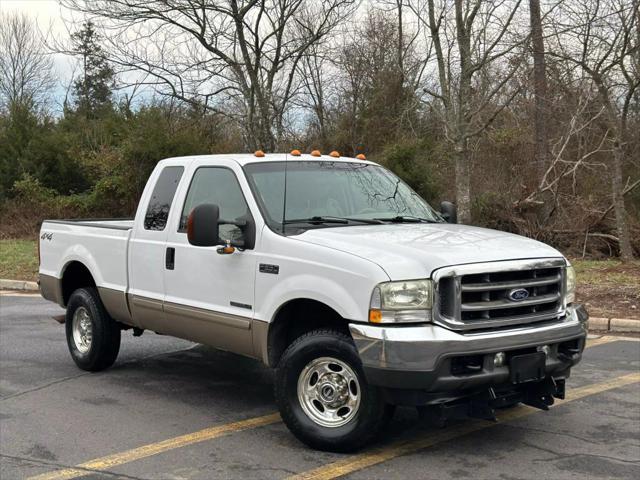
(563,165)
(315,68)
(601,39)
(541,141)
(377,82)
(235,57)
(25,70)
(475,44)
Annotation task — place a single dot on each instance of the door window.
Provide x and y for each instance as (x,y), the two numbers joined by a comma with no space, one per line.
(219,186)
(162,198)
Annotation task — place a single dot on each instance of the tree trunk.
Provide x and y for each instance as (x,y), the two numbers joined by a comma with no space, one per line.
(617,186)
(541,143)
(401,49)
(463,181)
(463,117)
(619,134)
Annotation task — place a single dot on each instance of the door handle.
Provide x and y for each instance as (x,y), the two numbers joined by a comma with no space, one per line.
(170,258)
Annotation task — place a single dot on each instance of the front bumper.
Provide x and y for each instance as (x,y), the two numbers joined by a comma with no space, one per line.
(427,357)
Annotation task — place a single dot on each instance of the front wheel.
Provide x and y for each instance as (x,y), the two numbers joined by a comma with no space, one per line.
(323,396)
(93,337)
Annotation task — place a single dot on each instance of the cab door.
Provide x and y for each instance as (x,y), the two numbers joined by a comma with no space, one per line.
(209,296)
(147,253)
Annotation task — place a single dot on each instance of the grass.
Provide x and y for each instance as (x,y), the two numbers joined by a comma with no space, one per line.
(19,259)
(607,272)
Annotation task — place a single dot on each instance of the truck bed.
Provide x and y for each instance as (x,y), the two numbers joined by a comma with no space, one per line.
(116,223)
(99,244)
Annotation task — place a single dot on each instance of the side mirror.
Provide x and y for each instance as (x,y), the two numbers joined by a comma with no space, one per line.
(449,212)
(203,225)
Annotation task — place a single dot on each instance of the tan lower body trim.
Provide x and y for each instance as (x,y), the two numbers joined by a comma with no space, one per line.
(115,301)
(51,289)
(145,311)
(260,335)
(220,330)
(221,319)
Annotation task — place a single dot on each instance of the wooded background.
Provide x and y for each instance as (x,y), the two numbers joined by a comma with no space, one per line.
(525,113)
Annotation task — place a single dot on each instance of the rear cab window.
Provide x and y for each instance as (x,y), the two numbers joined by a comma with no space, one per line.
(162,197)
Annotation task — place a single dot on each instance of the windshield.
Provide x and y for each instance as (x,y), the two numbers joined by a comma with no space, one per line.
(324,193)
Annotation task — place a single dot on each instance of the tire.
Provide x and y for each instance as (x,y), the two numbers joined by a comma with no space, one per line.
(93,337)
(354,425)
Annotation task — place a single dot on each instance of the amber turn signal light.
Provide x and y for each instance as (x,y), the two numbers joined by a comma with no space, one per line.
(361,156)
(258,153)
(295,153)
(316,153)
(226,250)
(334,154)
(375,316)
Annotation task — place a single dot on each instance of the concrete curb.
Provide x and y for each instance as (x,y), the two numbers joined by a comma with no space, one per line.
(22,285)
(624,325)
(600,324)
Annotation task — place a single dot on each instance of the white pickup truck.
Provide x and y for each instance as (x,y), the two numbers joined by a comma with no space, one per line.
(335,273)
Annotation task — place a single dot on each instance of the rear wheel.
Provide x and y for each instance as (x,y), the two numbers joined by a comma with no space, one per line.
(93,337)
(323,396)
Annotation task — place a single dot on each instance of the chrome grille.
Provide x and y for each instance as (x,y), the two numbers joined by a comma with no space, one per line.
(499,294)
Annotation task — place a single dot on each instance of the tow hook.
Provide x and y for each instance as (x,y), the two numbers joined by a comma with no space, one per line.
(541,395)
(477,406)
(482,405)
(569,354)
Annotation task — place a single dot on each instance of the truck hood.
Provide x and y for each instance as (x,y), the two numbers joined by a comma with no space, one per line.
(406,251)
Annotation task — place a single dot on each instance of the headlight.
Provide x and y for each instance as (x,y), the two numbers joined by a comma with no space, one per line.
(571,284)
(401,302)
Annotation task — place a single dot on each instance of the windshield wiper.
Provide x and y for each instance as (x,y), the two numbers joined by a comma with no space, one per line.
(368,221)
(317,219)
(406,219)
(331,219)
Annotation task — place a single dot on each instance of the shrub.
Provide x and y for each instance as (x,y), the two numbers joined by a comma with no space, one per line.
(32,202)
(414,162)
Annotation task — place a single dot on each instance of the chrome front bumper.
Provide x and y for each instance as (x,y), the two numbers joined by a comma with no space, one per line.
(420,357)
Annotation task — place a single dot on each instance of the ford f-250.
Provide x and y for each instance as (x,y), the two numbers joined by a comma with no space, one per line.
(335,273)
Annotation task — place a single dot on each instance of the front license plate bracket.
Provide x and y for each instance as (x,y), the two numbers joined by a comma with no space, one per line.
(527,368)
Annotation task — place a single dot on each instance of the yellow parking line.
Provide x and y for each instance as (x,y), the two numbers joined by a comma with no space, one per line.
(109,461)
(602,340)
(428,439)
(11,293)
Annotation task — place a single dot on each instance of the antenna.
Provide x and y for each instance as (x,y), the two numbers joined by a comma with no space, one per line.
(284,202)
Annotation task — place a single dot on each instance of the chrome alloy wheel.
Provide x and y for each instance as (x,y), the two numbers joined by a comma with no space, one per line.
(329,392)
(82,329)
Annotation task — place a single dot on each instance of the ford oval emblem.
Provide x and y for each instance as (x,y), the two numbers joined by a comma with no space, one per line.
(518,294)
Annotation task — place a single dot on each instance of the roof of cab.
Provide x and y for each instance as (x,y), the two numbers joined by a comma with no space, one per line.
(246,158)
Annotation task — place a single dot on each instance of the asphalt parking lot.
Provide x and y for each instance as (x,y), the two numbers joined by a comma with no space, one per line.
(171,409)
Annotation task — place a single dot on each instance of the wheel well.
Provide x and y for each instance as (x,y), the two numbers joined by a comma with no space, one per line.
(75,276)
(297,317)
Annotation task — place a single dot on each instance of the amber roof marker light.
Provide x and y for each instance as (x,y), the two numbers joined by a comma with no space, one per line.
(258,153)
(316,153)
(295,153)
(361,156)
(334,154)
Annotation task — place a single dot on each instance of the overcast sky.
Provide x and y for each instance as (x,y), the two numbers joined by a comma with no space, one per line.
(50,18)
